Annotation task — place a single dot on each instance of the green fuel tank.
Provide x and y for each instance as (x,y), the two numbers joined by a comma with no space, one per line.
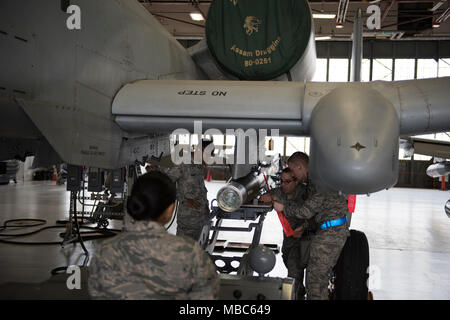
(262,39)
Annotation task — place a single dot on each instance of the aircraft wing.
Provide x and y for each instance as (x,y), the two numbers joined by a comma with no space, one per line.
(149,106)
(439,149)
(354,127)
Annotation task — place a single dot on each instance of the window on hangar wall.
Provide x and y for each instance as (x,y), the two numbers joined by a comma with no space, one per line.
(365,70)
(444,68)
(321,71)
(382,69)
(427,68)
(294,144)
(338,70)
(404,69)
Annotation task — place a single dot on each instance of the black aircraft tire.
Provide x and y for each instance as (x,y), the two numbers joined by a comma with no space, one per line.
(351,270)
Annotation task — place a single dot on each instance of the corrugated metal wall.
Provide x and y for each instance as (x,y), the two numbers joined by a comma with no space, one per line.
(412,174)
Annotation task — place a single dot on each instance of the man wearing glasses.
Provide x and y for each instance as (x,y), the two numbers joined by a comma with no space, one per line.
(329,210)
(295,249)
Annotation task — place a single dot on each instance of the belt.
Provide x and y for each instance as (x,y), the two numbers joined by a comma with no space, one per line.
(333,223)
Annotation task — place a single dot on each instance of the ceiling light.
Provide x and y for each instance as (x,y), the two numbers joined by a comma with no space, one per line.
(436,25)
(324,16)
(196,16)
(323,38)
(339,26)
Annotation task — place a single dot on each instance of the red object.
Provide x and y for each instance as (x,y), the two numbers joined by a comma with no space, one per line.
(208,176)
(284,222)
(443,183)
(351,203)
(55,175)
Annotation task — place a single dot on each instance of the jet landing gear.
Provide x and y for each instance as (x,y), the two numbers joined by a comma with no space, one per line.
(447,208)
(350,276)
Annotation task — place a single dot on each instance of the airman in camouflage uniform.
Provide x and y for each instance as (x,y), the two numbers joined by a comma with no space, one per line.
(327,243)
(193,209)
(146,262)
(295,249)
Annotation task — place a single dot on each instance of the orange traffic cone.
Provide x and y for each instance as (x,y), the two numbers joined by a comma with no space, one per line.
(55,175)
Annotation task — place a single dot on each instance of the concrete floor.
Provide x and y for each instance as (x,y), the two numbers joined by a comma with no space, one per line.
(407,229)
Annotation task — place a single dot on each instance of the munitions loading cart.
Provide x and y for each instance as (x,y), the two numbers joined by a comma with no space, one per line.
(243,285)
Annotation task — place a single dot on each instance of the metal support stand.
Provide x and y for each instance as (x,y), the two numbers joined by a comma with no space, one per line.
(70,235)
(243,285)
(73,233)
(133,172)
(101,212)
(245,213)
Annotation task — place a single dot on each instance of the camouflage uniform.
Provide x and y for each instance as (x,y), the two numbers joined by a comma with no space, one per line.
(327,244)
(190,185)
(146,262)
(295,251)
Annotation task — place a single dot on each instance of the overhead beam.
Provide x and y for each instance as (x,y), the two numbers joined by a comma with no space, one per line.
(387,9)
(342,11)
(179,20)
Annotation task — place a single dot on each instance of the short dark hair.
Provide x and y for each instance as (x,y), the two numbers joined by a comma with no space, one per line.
(287,170)
(299,157)
(151,195)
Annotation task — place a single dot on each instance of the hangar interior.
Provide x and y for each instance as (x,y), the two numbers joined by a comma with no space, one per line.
(406,226)
(412,43)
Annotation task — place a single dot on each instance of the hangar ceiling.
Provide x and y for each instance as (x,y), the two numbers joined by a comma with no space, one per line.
(400,19)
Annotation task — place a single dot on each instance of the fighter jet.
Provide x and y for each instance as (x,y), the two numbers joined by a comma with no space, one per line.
(102,84)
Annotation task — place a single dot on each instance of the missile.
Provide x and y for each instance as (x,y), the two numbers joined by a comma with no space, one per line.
(237,192)
(439,169)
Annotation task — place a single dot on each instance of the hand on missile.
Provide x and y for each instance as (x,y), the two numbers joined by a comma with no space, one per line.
(279,207)
(192,203)
(298,232)
(266,198)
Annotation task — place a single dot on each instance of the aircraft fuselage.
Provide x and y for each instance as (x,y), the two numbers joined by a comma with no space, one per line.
(58,84)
